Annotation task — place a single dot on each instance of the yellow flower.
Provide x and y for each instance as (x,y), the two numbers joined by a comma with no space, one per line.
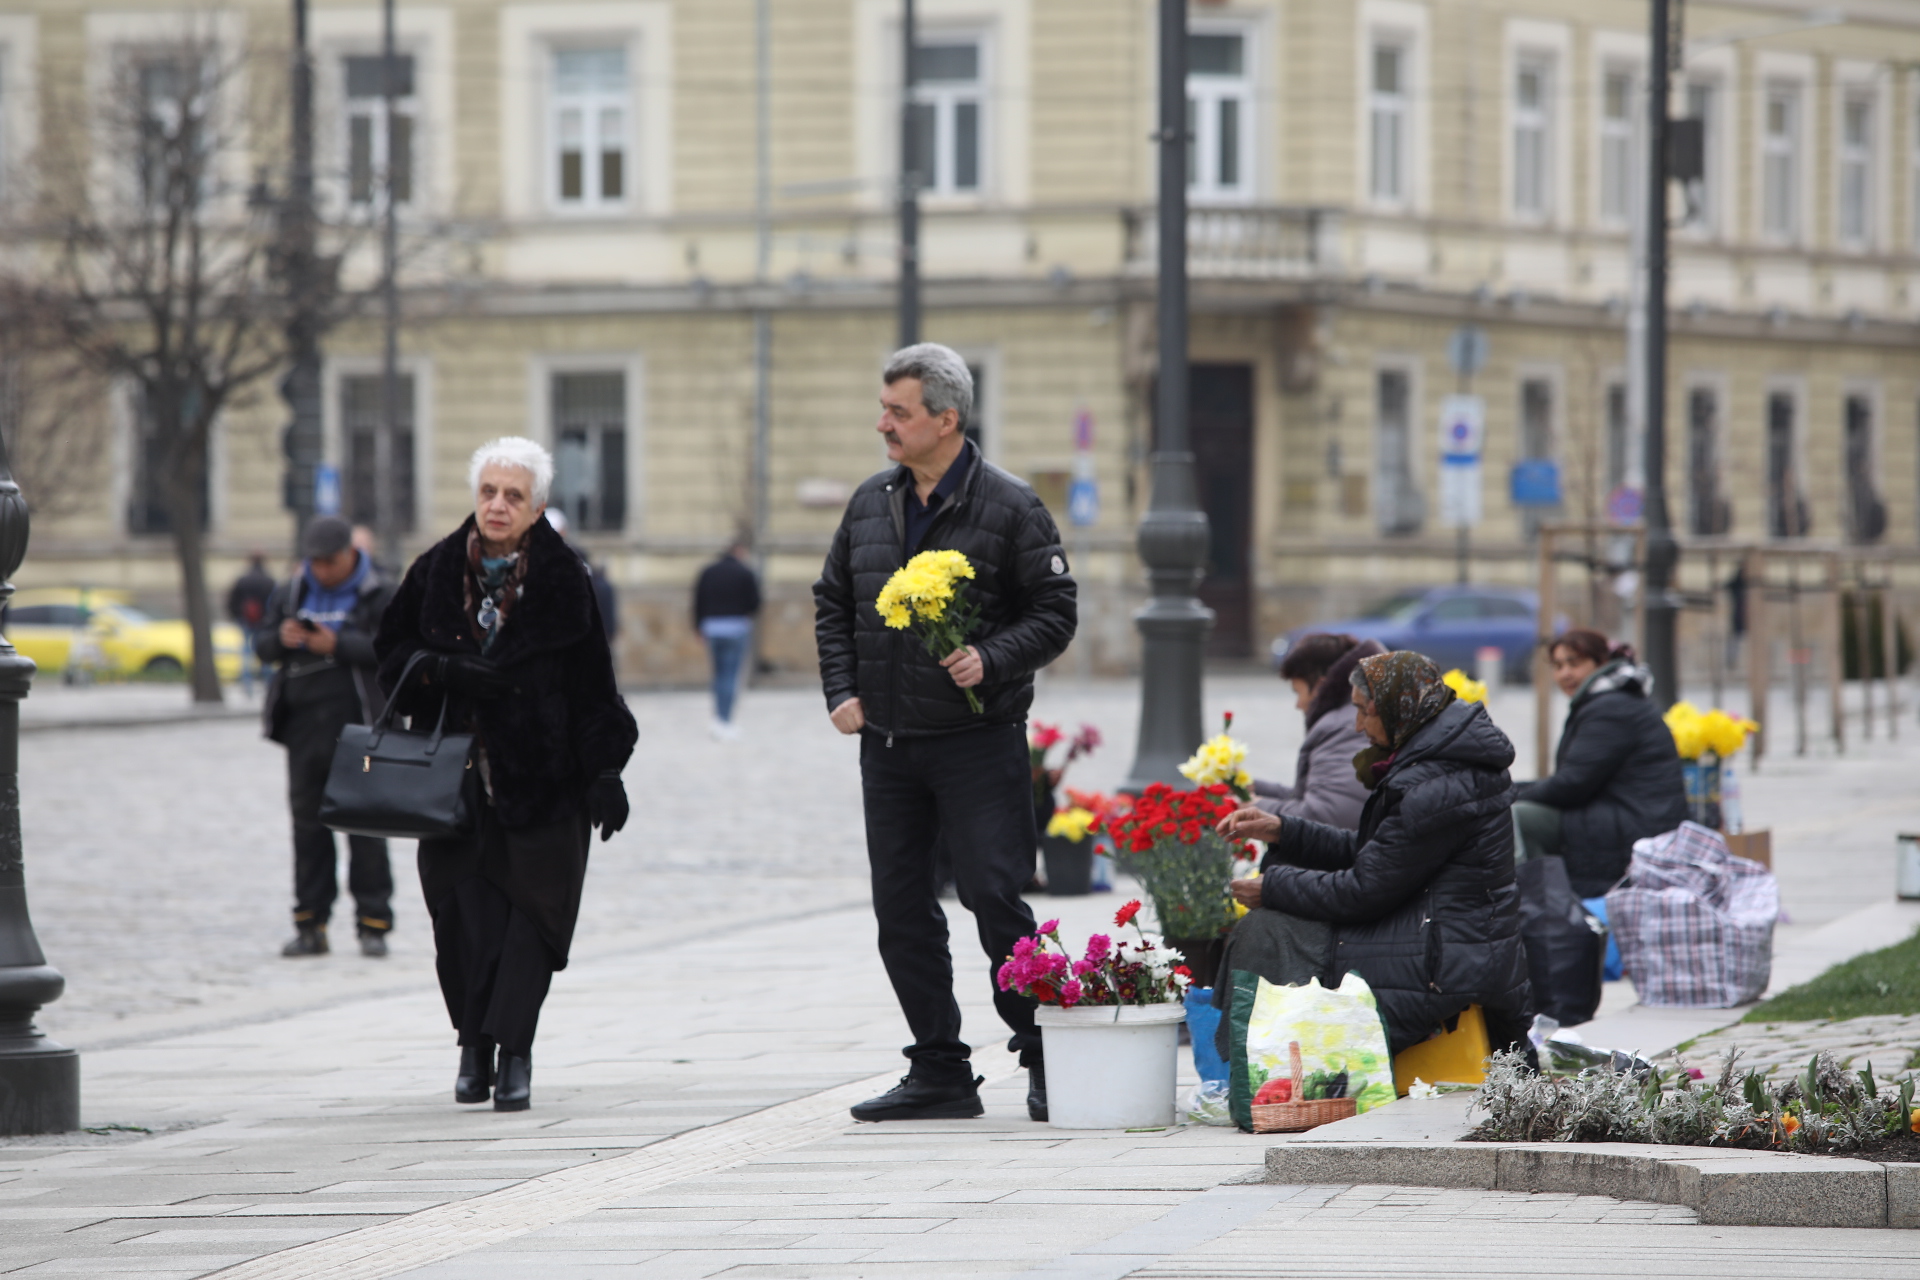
(1684,721)
(922,588)
(1465,687)
(1071,823)
(1219,759)
(1696,732)
(1913,1120)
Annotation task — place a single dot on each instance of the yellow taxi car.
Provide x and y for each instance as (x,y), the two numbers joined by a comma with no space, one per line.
(96,632)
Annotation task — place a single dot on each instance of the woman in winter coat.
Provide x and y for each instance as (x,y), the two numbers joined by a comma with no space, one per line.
(503,616)
(1420,901)
(1325,789)
(1616,777)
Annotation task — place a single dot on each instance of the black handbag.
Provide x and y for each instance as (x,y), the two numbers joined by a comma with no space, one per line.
(400,783)
(1566,947)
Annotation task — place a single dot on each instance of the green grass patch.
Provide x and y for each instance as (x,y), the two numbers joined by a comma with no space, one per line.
(1877,983)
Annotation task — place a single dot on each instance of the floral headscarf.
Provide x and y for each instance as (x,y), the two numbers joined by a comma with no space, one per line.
(1407,692)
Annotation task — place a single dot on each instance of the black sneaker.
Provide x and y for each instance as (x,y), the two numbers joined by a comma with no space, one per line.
(915,1099)
(1037,1094)
(310,941)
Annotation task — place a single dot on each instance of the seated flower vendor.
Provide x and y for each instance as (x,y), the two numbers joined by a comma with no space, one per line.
(1420,901)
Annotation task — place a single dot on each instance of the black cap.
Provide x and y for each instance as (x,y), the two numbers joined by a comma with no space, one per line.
(326,536)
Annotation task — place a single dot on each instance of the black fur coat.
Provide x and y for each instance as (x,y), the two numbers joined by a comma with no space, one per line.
(565,723)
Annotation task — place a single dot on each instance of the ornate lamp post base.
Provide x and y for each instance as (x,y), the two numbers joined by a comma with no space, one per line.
(1173,626)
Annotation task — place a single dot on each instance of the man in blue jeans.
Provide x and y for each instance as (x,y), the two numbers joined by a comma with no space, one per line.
(932,769)
(725,599)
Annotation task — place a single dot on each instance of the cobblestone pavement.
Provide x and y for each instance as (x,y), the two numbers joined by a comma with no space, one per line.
(724,967)
(1891,1044)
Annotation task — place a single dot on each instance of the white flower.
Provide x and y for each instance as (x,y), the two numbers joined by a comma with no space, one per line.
(1421,1089)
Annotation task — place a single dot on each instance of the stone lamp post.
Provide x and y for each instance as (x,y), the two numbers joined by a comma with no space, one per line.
(39,1080)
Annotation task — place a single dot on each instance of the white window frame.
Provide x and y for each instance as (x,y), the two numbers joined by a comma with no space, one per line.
(1395,109)
(1410,368)
(19,94)
(1791,75)
(1532,186)
(1913,163)
(1207,96)
(592,104)
(1704,217)
(1618,145)
(541,371)
(1856,165)
(374,108)
(333,428)
(946,97)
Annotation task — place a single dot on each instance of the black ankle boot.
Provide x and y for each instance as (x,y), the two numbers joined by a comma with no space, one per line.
(475,1081)
(1037,1093)
(515,1090)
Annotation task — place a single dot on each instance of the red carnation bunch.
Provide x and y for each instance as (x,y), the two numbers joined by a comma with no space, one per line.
(1163,814)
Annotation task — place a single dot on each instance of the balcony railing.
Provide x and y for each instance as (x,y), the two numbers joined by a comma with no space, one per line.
(1273,243)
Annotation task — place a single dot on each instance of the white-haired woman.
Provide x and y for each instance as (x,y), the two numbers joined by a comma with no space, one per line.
(506,614)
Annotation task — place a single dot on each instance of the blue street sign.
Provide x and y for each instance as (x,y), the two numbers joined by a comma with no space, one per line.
(1536,483)
(1083,502)
(326,490)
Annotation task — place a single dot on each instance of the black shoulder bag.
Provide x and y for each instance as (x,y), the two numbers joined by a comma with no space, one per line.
(400,783)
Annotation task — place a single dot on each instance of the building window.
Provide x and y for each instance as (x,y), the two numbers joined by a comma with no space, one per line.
(149,506)
(1780,162)
(1400,507)
(1913,134)
(947,105)
(1388,125)
(1708,513)
(1856,169)
(1703,194)
(1866,513)
(376,146)
(1536,439)
(1619,436)
(1533,138)
(1787,514)
(363,419)
(1617,170)
(1220,109)
(591,116)
(590,449)
(169,148)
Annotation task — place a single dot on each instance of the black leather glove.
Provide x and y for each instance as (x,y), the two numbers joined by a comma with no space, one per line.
(476,677)
(607,805)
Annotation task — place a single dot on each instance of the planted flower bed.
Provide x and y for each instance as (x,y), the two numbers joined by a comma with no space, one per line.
(1823,1110)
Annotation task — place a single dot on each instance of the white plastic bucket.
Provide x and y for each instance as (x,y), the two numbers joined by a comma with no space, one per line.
(1906,870)
(1111,1067)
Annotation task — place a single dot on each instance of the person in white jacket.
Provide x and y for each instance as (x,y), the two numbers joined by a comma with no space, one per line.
(1325,787)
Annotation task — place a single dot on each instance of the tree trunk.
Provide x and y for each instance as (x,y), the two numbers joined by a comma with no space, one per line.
(189,547)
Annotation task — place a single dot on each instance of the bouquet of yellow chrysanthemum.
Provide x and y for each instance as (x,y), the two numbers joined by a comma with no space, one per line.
(1696,732)
(931,589)
(1221,760)
(1464,686)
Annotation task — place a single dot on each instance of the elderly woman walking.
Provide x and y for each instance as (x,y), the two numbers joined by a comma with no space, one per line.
(1420,901)
(506,615)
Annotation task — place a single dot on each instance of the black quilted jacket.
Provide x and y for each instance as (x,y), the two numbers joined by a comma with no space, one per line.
(1025,594)
(1616,778)
(1422,896)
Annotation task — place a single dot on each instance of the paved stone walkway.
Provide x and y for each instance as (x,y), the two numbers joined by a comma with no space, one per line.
(724,983)
(1891,1044)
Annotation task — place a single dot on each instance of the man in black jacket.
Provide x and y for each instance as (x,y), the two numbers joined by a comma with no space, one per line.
(726,597)
(931,767)
(318,628)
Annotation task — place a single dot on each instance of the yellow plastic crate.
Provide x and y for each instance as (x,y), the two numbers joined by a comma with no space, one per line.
(1458,1056)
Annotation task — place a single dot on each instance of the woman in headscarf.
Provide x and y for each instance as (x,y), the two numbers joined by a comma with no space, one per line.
(504,622)
(1420,901)
(1320,667)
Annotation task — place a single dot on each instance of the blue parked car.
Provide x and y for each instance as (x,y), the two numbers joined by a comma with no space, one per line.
(1448,624)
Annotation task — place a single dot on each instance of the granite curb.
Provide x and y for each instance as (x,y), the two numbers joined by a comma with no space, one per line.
(1726,1187)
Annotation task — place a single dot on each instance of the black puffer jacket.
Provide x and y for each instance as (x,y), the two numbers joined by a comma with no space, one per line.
(1421,898)
(1026,598)
(1616,777)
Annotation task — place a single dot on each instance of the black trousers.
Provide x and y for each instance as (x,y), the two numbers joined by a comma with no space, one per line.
(973,792)
(312,729)
(494,969)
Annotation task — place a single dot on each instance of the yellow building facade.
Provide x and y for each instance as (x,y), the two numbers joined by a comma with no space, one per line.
(584,238)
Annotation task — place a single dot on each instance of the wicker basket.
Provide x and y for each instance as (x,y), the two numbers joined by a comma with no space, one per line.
(1294,1117)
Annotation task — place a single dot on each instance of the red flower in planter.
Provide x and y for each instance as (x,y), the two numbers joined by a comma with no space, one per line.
(1124,916)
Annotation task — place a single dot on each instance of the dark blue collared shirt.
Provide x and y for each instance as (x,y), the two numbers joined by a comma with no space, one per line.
(920,515)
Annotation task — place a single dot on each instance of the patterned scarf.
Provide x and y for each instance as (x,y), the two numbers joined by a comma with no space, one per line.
(488,606)
(1407,693)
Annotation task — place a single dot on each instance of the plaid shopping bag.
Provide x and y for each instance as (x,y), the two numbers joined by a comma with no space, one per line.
(1694,923)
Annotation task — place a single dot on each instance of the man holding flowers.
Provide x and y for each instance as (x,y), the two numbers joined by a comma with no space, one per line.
(945,589)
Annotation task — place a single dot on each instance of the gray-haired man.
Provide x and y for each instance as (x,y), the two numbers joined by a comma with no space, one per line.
(932,768)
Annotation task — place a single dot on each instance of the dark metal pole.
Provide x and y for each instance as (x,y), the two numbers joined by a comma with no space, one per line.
(383,469)
(1173,535)
(301,387)
(39,1080)
(909,187)
(1662,550)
